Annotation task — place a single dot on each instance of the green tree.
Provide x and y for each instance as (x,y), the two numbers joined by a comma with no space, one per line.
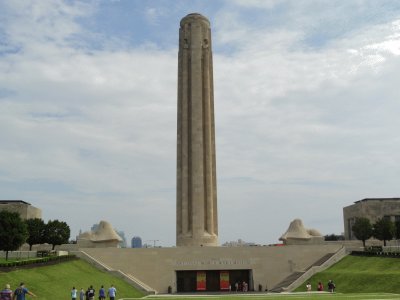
(56,233)
(13,231)
(384,230)
(36,231)
(397,225)
(334,237)
(362,229)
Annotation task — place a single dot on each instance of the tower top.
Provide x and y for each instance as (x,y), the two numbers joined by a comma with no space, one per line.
(194,17)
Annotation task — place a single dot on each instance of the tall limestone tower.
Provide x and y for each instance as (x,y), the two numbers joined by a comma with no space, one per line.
(196,211)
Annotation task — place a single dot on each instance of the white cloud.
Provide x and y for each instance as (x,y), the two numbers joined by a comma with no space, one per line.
(31,23)
(299,128)
(153,14)
(258,3)
(313,125)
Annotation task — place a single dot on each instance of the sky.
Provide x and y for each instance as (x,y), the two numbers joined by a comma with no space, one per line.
(306,111)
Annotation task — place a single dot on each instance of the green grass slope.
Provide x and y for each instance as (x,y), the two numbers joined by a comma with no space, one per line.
(355,274)
(56,281)
(293,296)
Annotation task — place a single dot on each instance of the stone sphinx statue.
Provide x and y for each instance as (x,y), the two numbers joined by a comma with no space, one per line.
(103,236)
(297,234)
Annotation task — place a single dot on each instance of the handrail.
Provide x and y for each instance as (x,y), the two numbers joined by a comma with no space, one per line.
(97,261)
(315,269)
(139,284)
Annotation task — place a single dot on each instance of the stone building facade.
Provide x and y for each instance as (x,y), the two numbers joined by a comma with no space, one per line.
(372,209)
(24,209)
(181,268)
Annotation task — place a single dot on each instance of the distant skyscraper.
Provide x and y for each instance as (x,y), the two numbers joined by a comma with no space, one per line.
(136,242)
(196,194)
(122,244)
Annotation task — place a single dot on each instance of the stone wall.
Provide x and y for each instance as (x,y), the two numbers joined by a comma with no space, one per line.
(24,209)
(157,267)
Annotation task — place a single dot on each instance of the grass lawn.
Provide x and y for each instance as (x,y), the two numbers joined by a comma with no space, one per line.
(355,274)
(56,281)
(291,296)
(356,278)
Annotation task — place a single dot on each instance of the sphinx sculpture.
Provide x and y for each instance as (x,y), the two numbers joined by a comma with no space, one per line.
(298,234)
(103,236)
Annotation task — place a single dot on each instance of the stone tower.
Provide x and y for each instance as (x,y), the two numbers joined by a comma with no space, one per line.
(196,211)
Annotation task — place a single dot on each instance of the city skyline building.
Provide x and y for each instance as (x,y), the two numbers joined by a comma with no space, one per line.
(136,242)
(123,243)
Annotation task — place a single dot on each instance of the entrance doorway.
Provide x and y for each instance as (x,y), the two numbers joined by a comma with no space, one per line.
(212,280)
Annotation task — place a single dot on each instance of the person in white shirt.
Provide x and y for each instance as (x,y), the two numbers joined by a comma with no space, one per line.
(112,292)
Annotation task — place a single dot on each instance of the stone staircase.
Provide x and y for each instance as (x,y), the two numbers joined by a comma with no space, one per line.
(297,278)
(320,261)
(280,287)
(127,277)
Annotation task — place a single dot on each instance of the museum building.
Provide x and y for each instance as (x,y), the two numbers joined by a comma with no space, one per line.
(372,209)
(24,209)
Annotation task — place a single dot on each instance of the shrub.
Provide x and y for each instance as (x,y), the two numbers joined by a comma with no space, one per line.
(36,261)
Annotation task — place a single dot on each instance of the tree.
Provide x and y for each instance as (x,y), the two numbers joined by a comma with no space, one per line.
(334,237)
(13,231)
(36,231)
(56,233)
(384,230)
(397,225)
(362,229)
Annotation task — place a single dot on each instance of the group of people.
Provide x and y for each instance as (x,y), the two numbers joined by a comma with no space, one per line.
(320,286)
(241,287)
(90,293)
(19,294)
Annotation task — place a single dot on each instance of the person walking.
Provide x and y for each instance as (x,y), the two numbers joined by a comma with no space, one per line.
(6,293)
(21,291)
(244,286)
(87,294)
(74,293)
(112,292)
(308,286)
(91,292)
(102,293)
(331,286)
(82,294)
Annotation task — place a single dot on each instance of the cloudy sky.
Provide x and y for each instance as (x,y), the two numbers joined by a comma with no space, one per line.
(306,107)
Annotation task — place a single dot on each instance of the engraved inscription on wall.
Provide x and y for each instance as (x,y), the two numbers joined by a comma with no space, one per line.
(207,262)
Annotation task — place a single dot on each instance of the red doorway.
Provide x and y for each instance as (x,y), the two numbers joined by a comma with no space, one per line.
(212,280)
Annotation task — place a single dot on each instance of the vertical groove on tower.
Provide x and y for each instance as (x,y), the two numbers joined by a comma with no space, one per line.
(189,143)
(179,154)
(196,180)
